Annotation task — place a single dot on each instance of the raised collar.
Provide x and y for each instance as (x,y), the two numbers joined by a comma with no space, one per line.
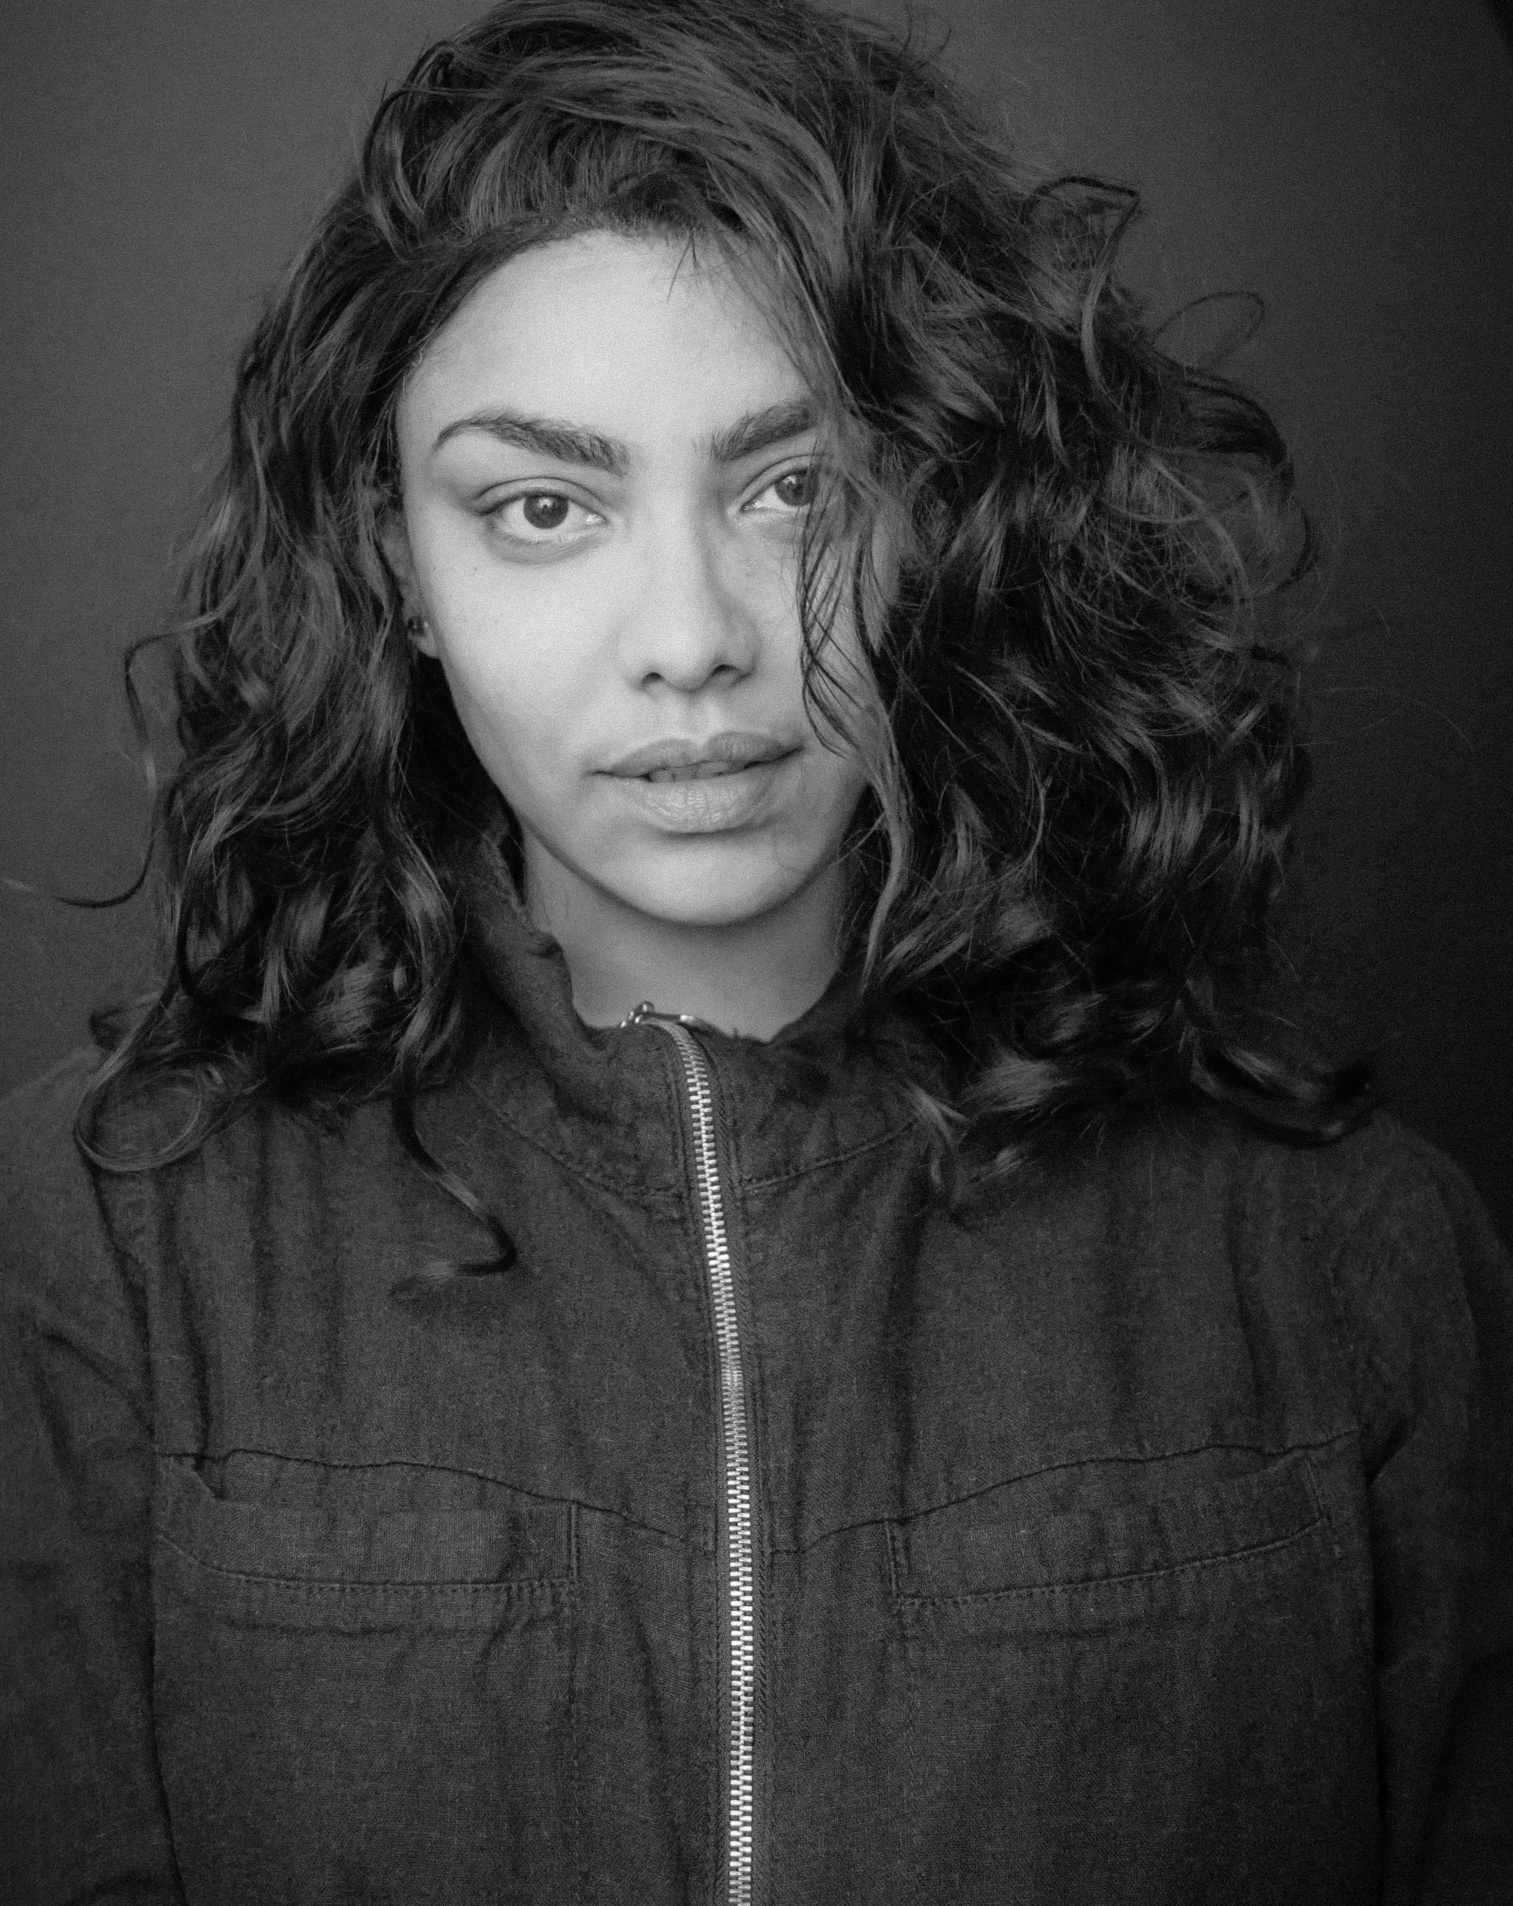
(609,1102)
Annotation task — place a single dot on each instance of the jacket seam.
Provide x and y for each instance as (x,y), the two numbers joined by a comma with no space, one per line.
(637,1189)
(316,1585)
(1143,1455)
(439,1469)
(893,1133)
(1079,1584)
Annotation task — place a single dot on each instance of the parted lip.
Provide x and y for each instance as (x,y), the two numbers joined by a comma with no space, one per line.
(733,748)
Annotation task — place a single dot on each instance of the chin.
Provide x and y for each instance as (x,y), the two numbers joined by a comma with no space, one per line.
(712,913)
(709,902)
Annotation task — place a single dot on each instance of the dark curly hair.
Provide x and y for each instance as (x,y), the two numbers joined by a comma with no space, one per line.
(1086,762)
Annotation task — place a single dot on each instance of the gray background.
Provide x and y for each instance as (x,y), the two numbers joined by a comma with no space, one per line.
(1351,162)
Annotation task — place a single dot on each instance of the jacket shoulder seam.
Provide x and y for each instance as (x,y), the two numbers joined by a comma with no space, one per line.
(840,1157)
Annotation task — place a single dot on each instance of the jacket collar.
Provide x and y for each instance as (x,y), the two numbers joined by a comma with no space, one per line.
(611,1102)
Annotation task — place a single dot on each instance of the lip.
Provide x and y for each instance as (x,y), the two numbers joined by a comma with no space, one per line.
(734,750)
(738,797)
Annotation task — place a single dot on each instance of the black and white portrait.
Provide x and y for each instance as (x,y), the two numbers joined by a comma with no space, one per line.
(755,915)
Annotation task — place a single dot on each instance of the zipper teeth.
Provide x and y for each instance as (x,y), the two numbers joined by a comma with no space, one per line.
(740,1585)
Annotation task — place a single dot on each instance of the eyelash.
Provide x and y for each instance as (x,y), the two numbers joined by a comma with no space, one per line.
(544,537)
(531,496)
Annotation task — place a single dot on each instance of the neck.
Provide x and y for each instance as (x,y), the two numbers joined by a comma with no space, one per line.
(752,977)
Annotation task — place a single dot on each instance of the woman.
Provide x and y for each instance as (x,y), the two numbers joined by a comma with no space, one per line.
(692,1287)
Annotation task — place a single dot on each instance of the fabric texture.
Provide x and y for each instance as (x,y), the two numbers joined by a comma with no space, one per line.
(1144,1537)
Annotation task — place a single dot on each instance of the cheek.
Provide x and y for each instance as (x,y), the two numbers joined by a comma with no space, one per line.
(518,662)
(846,782)
(516,713)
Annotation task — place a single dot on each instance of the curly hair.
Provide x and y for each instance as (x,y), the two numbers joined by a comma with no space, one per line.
(1082,761)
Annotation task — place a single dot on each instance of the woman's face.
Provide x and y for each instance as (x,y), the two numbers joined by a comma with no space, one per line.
(604,458)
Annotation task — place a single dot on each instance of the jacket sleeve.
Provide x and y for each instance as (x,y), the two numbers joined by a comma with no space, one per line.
(1427,1288)
(82,1814)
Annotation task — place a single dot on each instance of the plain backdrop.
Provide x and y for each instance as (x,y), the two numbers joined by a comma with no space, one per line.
(1349,160)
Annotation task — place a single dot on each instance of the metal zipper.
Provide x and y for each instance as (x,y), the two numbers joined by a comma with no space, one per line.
(735,1444)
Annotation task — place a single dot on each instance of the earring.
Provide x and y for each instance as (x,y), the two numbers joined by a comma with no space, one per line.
(415,626)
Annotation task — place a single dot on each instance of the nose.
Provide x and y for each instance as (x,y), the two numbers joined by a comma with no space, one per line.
(688,623)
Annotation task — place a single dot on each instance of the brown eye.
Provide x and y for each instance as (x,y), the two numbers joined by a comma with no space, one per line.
(796,490)
(543,519)
(544,510)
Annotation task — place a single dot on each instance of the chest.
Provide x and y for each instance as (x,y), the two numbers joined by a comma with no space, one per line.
(820,1546)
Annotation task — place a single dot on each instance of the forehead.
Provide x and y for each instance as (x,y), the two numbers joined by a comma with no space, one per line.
(629,336)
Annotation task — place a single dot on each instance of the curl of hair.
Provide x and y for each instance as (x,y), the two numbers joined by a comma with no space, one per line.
(1051,534)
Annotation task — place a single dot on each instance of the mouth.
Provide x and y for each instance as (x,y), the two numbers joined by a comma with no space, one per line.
(730,784)
(696,771)
(679,759)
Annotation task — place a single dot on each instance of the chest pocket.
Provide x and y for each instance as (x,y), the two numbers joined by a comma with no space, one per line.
(320,1547)
(1111,1541)
(363,1682)
(1121,1667)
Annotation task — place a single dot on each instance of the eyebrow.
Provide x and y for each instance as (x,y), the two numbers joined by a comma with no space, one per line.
(572,443)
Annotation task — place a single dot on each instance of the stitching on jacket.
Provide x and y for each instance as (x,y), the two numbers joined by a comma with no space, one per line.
(1139,1453)
(1085,1583)
(517,1585)
(912,1865)
(673,1194)
(439,1469)
(576,1865)
(831,1158)
(895,1562)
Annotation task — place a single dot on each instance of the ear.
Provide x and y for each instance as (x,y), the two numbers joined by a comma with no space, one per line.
(394,539)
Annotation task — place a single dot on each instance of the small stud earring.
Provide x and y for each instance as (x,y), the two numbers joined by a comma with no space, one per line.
(415,626)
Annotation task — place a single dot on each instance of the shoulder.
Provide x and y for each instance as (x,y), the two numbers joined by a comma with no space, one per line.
(163,1195)
(1382,1178)
(92,1245)
(66,1218)
(48,1094)
(64,1263)
(39,1161)
(1382,1212)
(1380,1183)
(1381,1224)
(1422,1279)
(1381,1227)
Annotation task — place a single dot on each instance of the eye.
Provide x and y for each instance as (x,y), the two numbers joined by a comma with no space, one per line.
(542,516)
(794,490)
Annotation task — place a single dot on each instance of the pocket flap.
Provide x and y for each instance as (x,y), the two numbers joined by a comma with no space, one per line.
(999,1542)
(355,1546)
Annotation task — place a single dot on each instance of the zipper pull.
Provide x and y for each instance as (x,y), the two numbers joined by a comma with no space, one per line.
(646,1011)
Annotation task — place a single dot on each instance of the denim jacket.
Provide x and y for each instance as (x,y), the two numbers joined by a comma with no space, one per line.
(765,1533)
